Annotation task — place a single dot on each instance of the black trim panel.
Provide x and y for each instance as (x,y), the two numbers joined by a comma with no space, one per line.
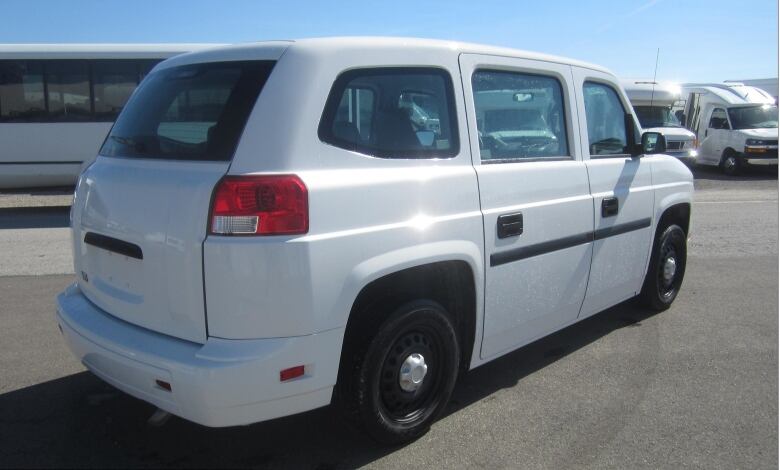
(504,257)
(619,229)
(517,254)
(114,244)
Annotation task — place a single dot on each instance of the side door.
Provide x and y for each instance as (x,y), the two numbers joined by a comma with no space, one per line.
(535,201)
(714,135)
(623,196)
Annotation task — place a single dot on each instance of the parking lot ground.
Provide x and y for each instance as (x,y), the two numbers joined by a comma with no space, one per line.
(695,386)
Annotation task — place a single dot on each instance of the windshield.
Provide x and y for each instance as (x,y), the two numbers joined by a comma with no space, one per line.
(190,112)
(656,116)
(754,117)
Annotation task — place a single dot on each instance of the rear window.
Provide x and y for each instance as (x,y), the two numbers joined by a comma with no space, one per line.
(191,112)
(392,113)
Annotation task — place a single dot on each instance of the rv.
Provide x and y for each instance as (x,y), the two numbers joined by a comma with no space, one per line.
(653,103)
(736,125)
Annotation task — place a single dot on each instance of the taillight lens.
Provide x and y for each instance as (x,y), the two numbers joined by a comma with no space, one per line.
(260,205)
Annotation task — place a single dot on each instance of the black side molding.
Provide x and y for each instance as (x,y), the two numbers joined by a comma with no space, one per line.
(517,254)
(622,228)
(114,244)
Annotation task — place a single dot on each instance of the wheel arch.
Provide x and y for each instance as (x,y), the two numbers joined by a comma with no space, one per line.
(450,282)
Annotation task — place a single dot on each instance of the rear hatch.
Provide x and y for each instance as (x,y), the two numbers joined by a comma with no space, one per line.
(141,209)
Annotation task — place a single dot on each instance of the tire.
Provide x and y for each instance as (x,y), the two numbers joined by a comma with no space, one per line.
(664,277)
(392,404)
(731,164)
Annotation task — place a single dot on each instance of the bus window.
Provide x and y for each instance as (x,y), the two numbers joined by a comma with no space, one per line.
(68,90)
(21,91)
(113,82)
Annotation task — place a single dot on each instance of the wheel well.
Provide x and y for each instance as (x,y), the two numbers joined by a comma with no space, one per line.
(679,214)
(450,283)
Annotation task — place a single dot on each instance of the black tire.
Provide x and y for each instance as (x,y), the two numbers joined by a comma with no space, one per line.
(660,289)
(369,389)
(731,164)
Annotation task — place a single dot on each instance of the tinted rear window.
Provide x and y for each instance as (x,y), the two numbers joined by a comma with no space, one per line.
(191,112)
(392,112)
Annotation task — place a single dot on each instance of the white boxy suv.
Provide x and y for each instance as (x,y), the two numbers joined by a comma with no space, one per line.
(270,228)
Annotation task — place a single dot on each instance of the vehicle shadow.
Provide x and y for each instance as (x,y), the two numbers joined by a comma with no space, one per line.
(34,217)
(751,173)
(79,421)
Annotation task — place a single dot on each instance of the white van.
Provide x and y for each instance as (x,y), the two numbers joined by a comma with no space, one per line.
(273,227)
(736,125)
(653,104)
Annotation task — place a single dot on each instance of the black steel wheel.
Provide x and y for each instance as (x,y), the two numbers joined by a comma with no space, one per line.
(404,378)
(666,269)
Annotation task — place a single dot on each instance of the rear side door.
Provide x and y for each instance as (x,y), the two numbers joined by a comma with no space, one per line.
(622,190)
(535,201)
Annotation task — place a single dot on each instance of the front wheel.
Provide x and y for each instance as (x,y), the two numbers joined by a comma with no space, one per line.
(666,270)
(402,380)
(731,164)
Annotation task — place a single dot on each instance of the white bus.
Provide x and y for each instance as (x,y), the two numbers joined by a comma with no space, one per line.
(58,101)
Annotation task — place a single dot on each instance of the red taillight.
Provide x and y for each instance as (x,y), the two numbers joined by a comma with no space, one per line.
(260,205)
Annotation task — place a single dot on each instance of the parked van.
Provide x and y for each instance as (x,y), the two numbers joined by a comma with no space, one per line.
(736,125)
(273,227)
(654,104)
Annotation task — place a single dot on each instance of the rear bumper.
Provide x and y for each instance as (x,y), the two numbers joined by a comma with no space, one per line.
(220,383)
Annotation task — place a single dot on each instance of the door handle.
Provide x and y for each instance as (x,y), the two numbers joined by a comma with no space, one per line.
(509,225)
(609,206)
(705,132)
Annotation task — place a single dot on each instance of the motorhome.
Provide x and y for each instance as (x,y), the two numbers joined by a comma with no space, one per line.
(736,124)
(58,102)
(653,104)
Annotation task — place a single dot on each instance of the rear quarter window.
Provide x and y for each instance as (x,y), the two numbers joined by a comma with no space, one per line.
(190,112)
(392,113)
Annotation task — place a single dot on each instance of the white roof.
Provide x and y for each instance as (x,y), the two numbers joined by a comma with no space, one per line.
(643,91)
(342,44)
(731,93)
(97,51)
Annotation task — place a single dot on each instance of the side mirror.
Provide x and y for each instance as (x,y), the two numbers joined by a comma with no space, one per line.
(653,142)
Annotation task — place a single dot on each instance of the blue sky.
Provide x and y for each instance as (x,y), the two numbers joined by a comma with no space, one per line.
(700,40)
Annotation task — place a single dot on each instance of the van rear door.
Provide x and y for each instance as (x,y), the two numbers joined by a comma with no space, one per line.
(140,211)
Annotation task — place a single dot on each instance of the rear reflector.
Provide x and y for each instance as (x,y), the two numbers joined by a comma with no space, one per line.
(291,373)
(260,205)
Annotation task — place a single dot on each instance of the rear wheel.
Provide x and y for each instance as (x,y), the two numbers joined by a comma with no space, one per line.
(402,379)
(666,269)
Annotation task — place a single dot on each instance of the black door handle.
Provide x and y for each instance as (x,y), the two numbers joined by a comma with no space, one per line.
(509,225)
(609,206)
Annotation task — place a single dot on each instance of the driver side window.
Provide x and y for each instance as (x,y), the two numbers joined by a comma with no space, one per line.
(719,120)
(519,116)
(606,119)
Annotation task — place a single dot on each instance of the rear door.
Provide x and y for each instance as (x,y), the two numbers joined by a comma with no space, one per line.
(141,209)
(623,195)
(535,201)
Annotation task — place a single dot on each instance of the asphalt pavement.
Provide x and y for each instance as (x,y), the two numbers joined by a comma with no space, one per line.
(695,386)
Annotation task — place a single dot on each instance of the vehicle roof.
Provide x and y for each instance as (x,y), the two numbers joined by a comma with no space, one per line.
(731,93)
(643,91)
(97,51)
(343,44)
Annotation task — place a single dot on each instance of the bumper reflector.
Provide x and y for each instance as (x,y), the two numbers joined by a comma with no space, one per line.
(291,373)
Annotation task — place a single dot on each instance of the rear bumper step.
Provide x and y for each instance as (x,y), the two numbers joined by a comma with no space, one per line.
(219,383)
